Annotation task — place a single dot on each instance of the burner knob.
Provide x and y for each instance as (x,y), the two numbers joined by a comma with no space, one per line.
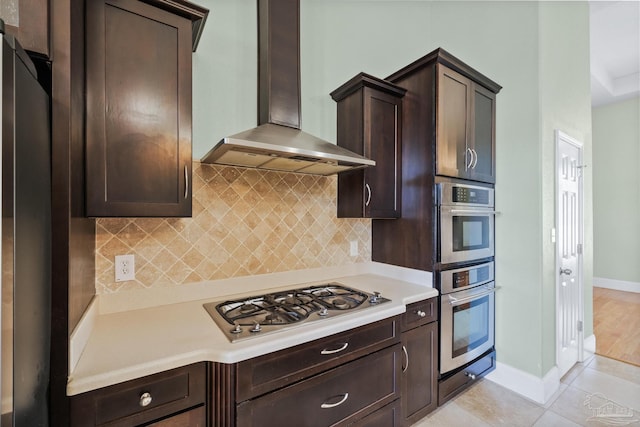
(323,312)
(256,328)
(237,330)
(374,298)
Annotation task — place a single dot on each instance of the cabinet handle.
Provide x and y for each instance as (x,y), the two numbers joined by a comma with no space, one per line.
(368,194)
(475,155)
(337,350)
(467,164)
(406,357)
(470,375)
(186,182)
(421,313)
(333,405)
(145,399)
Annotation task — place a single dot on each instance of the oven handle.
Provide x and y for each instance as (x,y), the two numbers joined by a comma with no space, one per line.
(473,211)
(454,300)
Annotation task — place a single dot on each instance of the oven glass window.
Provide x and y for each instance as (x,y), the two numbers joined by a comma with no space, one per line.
(470,232)
(470,326)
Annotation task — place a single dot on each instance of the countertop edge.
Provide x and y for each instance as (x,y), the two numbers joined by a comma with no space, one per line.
(205,345)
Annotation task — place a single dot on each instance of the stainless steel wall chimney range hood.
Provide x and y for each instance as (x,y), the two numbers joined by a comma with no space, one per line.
(278,143)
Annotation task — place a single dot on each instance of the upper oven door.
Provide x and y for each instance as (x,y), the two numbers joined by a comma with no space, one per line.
(465,234)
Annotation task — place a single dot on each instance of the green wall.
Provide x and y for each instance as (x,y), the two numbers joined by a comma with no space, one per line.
(616,191)
(538,52)
(565,104)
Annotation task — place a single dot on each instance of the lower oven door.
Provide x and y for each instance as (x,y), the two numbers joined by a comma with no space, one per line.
(467,326)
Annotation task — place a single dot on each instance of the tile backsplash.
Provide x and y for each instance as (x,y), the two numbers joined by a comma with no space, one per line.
(245,222)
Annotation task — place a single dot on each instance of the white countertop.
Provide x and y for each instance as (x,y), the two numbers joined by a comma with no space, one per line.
(130,344)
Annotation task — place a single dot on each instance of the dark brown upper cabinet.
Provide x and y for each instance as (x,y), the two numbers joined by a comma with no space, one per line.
(138,153)
(465,127)
(440,120)
(28,21)
(369,118)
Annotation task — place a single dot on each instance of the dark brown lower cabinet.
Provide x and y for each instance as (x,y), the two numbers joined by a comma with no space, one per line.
(420,370)
(339,396)
(193,418)
(168,399)
(388,416)
(420,364)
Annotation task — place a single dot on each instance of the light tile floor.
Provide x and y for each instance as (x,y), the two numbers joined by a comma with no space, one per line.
(598,382)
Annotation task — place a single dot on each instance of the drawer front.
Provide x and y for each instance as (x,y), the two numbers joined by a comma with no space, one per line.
(337,397)
(142,400)
(420,313)
(389,416)
(459,381)
(193,418)
(266,373)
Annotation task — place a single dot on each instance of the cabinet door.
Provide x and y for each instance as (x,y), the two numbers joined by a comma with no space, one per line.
(419,372)
(382,143)
(369,123)
(138,158)
(483,135)
(453,157)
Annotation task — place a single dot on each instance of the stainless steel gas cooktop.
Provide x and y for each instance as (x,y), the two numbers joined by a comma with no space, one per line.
(261,314)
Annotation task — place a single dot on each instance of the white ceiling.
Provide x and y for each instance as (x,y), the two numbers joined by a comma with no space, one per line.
(615,51)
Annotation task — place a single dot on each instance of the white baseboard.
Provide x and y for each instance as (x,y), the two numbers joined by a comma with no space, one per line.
(618,285)
(534,388)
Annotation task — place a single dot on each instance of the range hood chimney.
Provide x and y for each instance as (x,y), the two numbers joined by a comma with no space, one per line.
(278,143)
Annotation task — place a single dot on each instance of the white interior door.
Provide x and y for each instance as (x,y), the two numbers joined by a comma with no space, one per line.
(569,294)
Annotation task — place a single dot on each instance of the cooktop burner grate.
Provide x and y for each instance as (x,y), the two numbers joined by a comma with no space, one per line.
(257,315)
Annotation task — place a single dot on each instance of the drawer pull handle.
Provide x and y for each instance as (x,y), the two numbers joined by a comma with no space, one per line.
(337,350)
(406,357)
(333,405)
(421,313)
(145,399)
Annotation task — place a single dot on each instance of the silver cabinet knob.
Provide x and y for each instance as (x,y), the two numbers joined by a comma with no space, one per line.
(470,375)
(421,313)
(145,399)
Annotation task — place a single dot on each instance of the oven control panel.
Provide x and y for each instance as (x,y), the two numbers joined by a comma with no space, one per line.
(467,277)
(466,194)
(470,277)
(458,194)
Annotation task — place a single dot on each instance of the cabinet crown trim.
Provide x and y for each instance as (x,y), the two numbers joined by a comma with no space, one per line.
(441,56)
(197,14)
(361,80)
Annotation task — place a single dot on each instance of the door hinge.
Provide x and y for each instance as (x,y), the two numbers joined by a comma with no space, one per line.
(580,248)
(580,326)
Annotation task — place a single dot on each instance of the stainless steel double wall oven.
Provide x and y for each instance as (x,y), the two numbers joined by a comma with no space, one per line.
(465,272)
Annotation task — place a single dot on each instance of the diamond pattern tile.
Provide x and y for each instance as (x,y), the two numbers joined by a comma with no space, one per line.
(245,222)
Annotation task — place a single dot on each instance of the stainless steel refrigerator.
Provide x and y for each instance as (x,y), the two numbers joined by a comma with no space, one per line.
(25,230)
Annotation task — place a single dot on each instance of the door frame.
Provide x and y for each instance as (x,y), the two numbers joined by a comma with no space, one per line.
(561,137)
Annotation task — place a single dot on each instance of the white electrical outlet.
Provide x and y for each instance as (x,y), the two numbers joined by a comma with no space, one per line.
(125,268)
(353,248)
